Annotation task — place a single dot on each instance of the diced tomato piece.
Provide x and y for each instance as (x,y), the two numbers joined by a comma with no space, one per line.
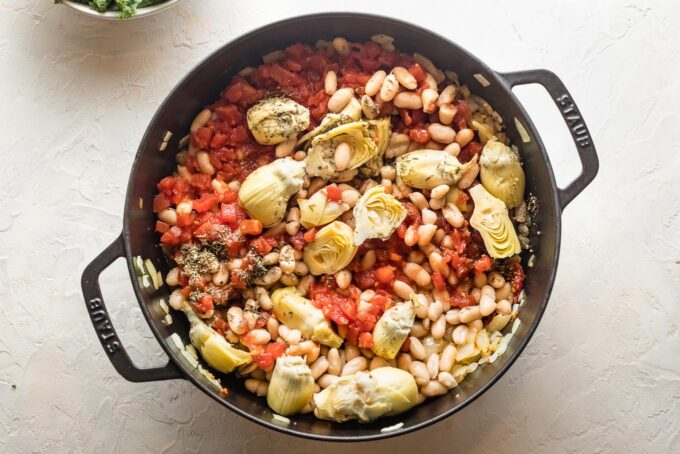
(204,230)
(186,291)
(172,237)
(385,274)
(438,280)
(298,241)
(483,264)
(218,140)
(232,214)
(418,72)
(184,220)
(309,235)
(238,135)
(229,113)
(250,227)
(162,227)
(206,202)
(380,301)
(201,137)
(205,303)
(230,197)
(419,135)
(166,184)
(334,193)
(365,340)
(220,326)
(201,181)
(365,279)
(160,202)
(263,245)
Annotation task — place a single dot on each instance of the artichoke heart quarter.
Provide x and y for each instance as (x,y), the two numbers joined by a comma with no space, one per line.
(427,169)
(366,396)
(490,217)
(265,192)
(332,249)
(318,210)
(214,348)
(377,215)
(356,134)
(297,312)
(275,120)
(501,173)
(291,386)
(392,329)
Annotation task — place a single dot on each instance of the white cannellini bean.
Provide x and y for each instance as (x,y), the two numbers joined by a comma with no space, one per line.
(334,362)
(172,278)
(319,367)
(236,321)
(259,336)
(422,305)
(177,299)
(448,357)
(342,156)
(351,352)
(419,371)
(343,278)
(341,46)
(200,120)
(436,261)
(375,82)
(402,289)
(480,280)
(460,334)
(411,236)
(453,216)
(404,360)
(285,148)
(354,365)
(368,260)
(429,216)
(273,327)
(416,348)
(447,113)
(433,388)
(496,279)
(405,78)
(435,310)
(447,95)
(340,99)
(330,83)
(408,100)
(433,365)
(453,149)
(464,136)
(377,362)
(270,277)
(504,292)
(425,234)
(469,177)
(469,314)
(263,298)
(419,200)
(326,380)
(446,379)
(504,307)
(185,207)
(439,192)
(221,277)
(418,330)
(389,88)
(453,317)
(441,133)
(204,164)
(368,107)
(169,216)
(437,204)
(429,100)
(350,196)
(438,328)
(389,172)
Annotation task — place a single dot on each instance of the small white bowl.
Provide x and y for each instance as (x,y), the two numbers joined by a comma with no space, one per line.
(141,12)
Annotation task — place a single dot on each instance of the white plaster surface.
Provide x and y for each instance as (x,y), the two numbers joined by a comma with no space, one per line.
(602,373)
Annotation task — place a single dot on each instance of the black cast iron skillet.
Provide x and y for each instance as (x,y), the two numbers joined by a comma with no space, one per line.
(202,86)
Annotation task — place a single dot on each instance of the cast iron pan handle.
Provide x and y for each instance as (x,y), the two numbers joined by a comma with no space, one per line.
(572,116)
(102,323)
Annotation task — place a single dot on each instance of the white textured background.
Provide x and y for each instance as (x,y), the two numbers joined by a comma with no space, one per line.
(602,373)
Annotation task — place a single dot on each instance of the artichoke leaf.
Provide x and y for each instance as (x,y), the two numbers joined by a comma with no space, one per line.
(381,129)
(213,347)
(366,396)
(320,162)
(427,169)
(291,386)
(318,210)
(265,192)
(332,249)
(392,329)
(490,217)
(297,312)
(377,214)
(275,120)
(501,173)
